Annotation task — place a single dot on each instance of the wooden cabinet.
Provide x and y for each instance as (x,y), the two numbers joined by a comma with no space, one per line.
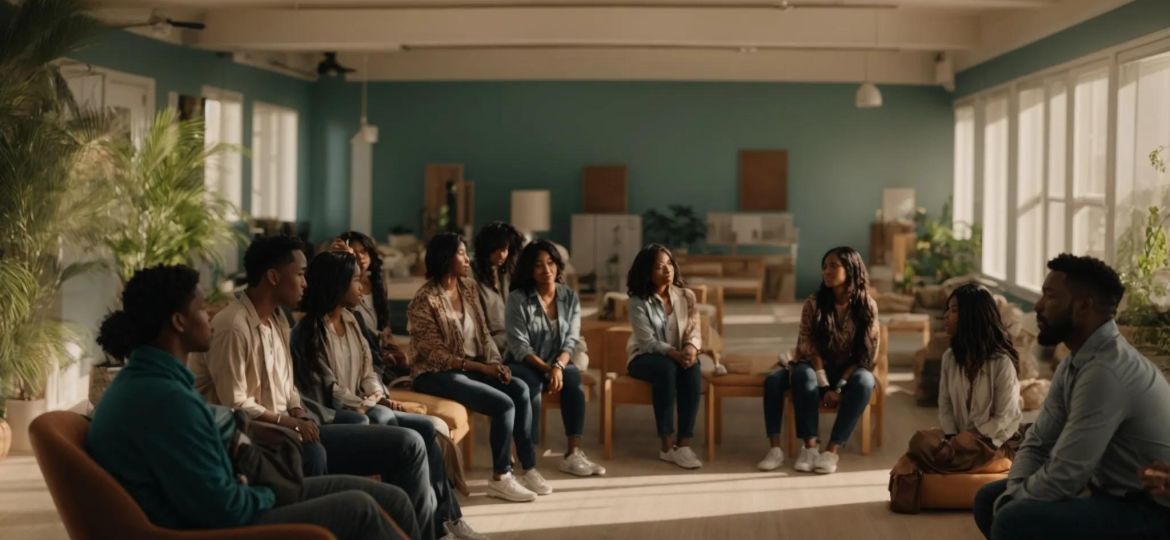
(605,245)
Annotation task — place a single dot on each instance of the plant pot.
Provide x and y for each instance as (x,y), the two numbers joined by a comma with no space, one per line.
(100,378)
(20,415)
(5,439)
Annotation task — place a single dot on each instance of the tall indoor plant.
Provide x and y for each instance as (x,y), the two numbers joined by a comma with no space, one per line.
(944,249)
(1143,257)
(54,195)
(169,217)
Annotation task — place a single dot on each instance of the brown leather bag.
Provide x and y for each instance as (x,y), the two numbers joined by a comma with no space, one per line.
(905,486)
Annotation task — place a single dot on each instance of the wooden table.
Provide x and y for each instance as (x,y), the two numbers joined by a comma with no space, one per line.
(908,322)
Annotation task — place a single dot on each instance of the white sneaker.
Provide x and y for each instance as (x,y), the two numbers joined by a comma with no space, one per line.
(460,530)
(509,489)
(535,483)
(682,456)
(827,463)
(807,459)
(579,465)
(773,460)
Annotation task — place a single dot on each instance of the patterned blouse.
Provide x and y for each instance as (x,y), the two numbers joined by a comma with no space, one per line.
(839,352)
(436,330)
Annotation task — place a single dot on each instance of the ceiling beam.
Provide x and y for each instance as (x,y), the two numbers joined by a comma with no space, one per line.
(382,29)
(906,68)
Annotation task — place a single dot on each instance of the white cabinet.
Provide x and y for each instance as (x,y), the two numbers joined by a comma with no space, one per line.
(605,245)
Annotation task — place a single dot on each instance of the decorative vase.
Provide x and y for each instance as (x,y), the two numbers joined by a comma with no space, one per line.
(5,438)
(20,414)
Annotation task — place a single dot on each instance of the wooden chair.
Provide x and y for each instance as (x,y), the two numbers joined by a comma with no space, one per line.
(877,403)
(619,388)
(94,506)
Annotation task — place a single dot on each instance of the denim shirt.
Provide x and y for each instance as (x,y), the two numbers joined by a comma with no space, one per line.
(528,328)
(1105,417)
(648,319)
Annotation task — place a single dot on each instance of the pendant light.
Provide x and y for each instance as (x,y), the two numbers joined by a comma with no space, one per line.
(868,96)
(369,131)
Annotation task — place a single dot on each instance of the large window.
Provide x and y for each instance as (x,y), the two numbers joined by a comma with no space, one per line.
(224,124)
(274,162)
(1042,167)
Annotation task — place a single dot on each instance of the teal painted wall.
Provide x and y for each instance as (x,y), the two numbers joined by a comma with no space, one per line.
(185,71)
(1125,23)
(679,141)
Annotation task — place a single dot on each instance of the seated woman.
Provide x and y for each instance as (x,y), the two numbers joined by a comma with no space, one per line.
(333,369)
(664,348)
(456,359)
(543,318)
(497,245)
(374,311)
(978,392)
(835,353)
(153,432)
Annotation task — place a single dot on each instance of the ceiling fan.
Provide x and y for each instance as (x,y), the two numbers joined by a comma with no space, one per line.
(162,25)
(330,66)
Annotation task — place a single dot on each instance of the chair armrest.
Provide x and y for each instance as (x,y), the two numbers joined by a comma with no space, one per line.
(258,532)
(611,376)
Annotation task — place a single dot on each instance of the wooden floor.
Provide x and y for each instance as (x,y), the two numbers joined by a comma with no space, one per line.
(645,498)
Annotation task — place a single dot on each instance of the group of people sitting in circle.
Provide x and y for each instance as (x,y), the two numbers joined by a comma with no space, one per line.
(497,331)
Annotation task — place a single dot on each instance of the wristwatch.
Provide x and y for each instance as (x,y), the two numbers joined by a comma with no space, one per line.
(840,384)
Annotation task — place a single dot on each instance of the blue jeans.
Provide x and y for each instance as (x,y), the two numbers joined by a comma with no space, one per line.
(448,506)
(572,398)
(506,404)
(350,507)
(806,401)
(1088,518)
(672,386)
(397,454)
(774,387)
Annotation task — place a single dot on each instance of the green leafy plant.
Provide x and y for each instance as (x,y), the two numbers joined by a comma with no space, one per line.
(944,250)
(170,216)
(55,195)
(681,229)
(1143,257)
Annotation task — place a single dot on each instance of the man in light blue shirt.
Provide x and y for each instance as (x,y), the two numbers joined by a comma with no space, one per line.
(1107,416)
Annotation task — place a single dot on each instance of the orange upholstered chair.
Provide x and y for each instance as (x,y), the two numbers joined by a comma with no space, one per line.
(94,506)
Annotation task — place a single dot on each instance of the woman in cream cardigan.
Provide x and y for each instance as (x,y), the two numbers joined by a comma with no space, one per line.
(664,349)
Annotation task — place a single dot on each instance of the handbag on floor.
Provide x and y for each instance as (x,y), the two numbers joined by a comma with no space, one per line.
(264,454)
(906,486)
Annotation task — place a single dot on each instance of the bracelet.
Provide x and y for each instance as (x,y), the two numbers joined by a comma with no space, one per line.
(822,379)
(278,419)
(841,384)
(463,367)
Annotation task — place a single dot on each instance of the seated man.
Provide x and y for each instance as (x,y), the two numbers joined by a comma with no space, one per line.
(1106,417)
(156,436)
(249,367)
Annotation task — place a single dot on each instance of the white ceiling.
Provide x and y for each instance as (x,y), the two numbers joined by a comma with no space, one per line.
(886,41)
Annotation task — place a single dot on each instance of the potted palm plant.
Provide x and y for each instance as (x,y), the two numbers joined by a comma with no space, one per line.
(54,195)
(170,216)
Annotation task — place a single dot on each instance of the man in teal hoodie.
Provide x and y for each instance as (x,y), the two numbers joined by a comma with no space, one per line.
(153,432)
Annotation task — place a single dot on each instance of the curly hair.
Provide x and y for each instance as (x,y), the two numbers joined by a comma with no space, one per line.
(493,237)
(860,310)
(639,280)
(1092,276)
(150,298)
(522,277)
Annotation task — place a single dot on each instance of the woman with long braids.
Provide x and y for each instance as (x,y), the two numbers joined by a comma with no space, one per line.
(155,434)
(497,246)
(835,354)
(334,371)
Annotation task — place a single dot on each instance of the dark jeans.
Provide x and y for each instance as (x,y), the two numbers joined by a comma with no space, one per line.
(775,385)
(806,401)
(1089,518)
(671,386)
(397,454)
(448,506)
(506,404)
(572,398)
(350,507)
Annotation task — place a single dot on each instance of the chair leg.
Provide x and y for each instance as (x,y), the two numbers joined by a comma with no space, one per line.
(469,442)
(713,421)
(718,403)
(865,431)
(790,427)
(543,422)
(607,420)
(879,412)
